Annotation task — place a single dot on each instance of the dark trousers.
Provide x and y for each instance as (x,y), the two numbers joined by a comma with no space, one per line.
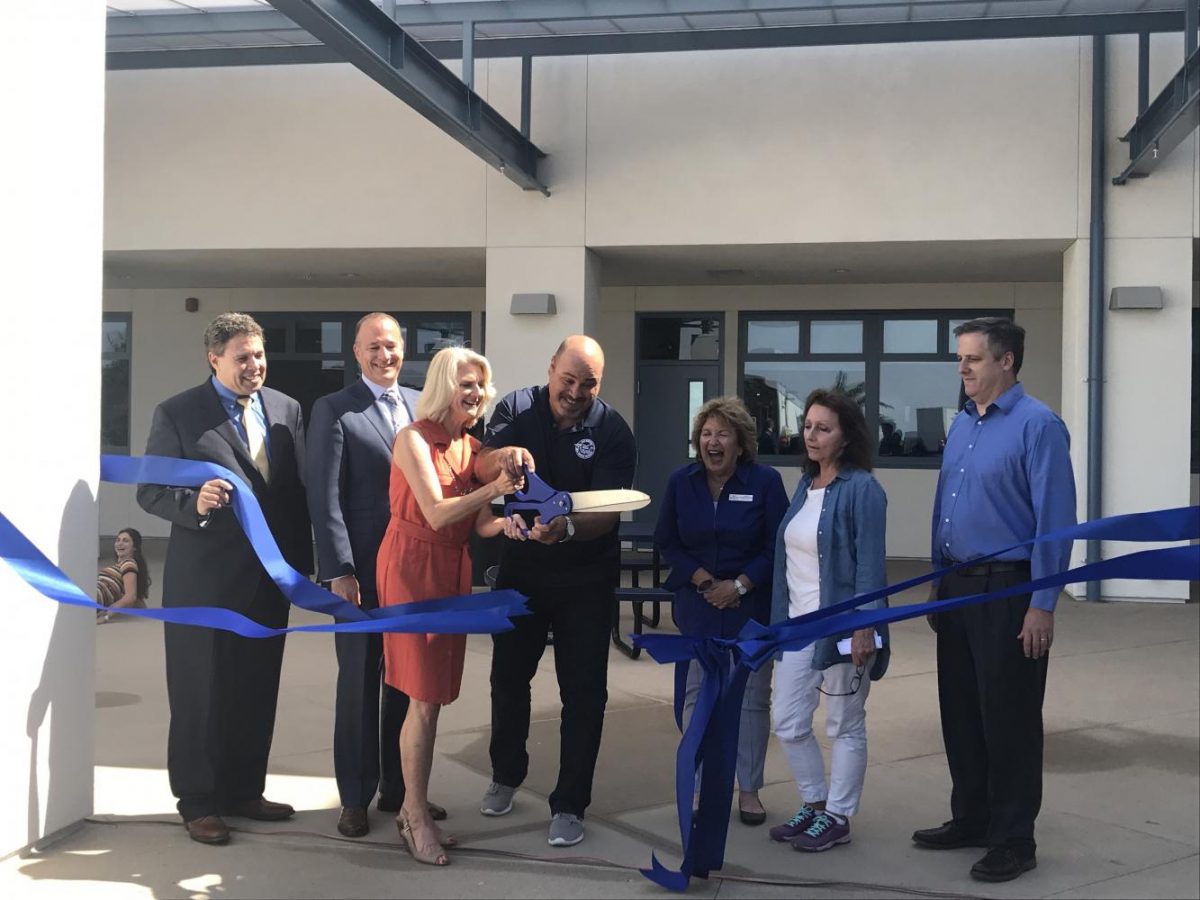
(222,690)
(581,617)
(990,695)
(366,731)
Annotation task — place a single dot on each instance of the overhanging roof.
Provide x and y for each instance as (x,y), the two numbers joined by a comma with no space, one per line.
(252,31)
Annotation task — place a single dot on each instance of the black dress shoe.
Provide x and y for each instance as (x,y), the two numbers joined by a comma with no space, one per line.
(263,810)
(1003,864)
(353,821)
(208,830)
(949,836)
(749,817)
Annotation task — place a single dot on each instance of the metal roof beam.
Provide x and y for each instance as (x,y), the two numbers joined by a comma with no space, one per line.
(710,39)
(367,38)
(816,35)
(552,10)
(1174,114)
(152,25)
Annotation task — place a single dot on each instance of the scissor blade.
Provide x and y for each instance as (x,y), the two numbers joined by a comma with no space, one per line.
(620,500)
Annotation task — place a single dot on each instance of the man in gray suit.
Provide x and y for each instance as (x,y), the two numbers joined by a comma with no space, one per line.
(349,468)
(223,688)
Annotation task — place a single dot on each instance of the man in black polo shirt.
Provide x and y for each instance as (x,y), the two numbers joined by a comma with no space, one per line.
(568,568)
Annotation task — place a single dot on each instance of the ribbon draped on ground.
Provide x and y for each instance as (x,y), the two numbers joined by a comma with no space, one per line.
(484,613)
(712,734)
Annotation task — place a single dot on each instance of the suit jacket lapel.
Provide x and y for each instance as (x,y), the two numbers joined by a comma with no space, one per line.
(374,414)
(223,426)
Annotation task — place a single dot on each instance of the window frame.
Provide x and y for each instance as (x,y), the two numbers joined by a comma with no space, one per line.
(127,356)
(872,357)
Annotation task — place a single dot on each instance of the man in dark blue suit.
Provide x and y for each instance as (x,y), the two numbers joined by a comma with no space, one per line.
(222,687)
(350,440)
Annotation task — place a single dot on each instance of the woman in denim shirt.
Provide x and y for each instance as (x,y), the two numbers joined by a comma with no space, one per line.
(716,530)
(830,547)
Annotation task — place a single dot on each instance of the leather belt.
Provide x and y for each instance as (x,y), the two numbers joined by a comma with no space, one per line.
(995,567)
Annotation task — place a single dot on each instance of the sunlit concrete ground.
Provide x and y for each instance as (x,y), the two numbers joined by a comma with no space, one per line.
(1121,816)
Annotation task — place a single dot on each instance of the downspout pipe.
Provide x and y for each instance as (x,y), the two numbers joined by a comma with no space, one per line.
(1095,426)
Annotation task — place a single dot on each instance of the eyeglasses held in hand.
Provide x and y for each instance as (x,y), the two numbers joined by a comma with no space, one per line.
(855,681)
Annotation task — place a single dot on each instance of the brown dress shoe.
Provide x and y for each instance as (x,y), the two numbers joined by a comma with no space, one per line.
(353,821)
(208,830)
(263,809)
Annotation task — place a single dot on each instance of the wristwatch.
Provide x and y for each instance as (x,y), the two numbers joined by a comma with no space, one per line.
(570,530)
(741,588)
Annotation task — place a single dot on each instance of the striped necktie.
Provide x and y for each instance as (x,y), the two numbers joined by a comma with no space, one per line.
(254,438)
(392,402)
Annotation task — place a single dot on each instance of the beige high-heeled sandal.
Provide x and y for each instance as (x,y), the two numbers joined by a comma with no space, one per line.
(438,858)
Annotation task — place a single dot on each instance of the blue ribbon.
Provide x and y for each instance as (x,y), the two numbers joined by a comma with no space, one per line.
(484,613)
(712,733)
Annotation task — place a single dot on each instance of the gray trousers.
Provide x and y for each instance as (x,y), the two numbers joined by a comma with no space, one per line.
(754,730)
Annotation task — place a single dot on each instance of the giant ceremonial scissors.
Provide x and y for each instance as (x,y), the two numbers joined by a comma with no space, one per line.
(541,499)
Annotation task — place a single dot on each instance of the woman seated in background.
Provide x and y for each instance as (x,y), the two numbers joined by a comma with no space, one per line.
(126,582)
(716,529)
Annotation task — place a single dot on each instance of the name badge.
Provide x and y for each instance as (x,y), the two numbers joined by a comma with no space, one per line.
(741,498)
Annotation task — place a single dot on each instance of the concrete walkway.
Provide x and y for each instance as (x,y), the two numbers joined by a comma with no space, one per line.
(1121,816)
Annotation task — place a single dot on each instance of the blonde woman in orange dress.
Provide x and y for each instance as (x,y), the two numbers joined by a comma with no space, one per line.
(435,503)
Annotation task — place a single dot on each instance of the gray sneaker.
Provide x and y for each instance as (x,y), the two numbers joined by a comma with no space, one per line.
(566,830)
(498,800)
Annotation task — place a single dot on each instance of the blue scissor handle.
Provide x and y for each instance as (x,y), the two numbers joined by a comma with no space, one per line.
(539,498)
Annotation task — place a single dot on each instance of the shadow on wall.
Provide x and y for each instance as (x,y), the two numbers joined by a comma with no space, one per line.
(59,712)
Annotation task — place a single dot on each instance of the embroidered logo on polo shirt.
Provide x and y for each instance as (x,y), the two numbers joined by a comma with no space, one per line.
(585,449)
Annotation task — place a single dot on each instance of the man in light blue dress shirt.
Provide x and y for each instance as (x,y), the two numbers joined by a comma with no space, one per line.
(1006,478)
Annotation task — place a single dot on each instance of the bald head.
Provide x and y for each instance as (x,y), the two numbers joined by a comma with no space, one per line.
(575,373)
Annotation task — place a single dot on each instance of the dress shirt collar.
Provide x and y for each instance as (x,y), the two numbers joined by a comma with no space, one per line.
(378,391)
(229,398)
(740,474)
(1005,402)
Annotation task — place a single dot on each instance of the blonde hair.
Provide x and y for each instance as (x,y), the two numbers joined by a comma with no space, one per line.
(441,383)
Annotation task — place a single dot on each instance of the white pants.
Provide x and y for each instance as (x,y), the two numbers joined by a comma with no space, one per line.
(754,730)
(793,703)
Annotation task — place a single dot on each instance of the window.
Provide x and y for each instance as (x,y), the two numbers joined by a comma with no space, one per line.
(310,354)
(900,366)
(115,359)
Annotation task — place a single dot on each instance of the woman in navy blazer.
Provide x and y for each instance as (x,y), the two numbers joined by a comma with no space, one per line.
(830,548)
(716,529)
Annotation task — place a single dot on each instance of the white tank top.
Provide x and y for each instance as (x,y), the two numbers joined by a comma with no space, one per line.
(803,564)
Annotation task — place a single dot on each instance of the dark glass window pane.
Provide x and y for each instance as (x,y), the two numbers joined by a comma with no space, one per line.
(114,336)
(951,340)
(318,336)
(836,337)
(437,334)
(772,337)
(114,404)
(910,336)
(777,391)
(917,402)
(306,379)
(412,374)
(275,339)
(674,338)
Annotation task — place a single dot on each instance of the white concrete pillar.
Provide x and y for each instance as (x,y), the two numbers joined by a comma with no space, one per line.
(1147,375)
(51,219)
(520,347)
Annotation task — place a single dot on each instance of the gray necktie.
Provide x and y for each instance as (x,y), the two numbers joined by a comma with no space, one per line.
(392,401)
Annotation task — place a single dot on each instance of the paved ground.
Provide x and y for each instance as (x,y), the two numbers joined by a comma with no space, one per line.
(1121,816)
